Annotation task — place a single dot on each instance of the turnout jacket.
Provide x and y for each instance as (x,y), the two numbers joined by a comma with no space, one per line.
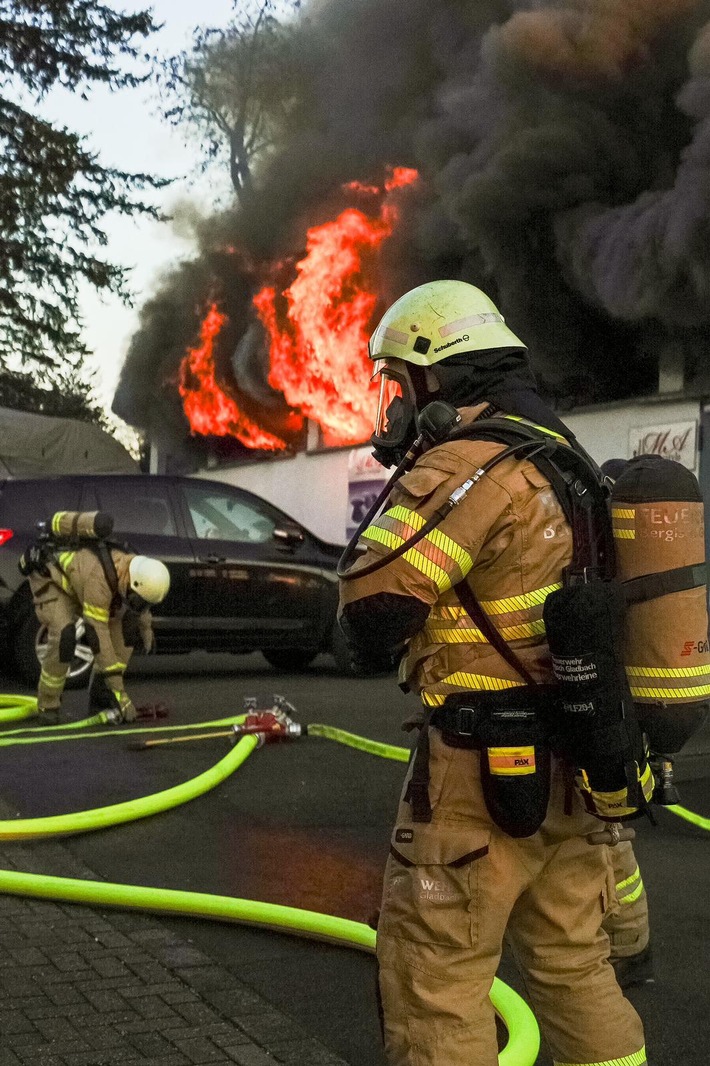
(80,574)
(508,539)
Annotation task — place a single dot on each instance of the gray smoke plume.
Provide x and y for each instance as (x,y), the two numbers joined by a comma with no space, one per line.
(564,153)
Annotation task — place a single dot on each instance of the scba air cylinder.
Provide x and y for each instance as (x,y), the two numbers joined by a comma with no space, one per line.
(659,537)
(73,525)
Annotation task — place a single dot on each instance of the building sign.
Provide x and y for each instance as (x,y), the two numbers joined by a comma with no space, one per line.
(366,479)
(674,440)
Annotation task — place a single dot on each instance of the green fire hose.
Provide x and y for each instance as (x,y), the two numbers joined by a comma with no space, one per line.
(524,1038)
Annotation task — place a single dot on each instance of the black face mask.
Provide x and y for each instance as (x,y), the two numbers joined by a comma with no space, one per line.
(391,443)
(135,602)
(391,446)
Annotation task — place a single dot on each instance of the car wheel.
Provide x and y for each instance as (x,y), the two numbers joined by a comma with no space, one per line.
(340,651)
(30,650)
(289,660)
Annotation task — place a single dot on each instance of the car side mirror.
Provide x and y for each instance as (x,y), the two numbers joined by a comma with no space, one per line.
(287,536)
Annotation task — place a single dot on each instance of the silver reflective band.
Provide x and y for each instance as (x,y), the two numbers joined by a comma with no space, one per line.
(470,320)
(396,335)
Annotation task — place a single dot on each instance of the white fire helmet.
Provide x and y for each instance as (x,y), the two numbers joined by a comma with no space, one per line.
(149,578)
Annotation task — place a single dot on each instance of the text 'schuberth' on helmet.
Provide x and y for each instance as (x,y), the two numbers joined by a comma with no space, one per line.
(425,326)
(149,579)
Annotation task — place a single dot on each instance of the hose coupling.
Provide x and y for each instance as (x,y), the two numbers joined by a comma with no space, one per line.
(272,724)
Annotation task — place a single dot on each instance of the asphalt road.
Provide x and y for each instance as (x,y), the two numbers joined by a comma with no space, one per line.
(307,824)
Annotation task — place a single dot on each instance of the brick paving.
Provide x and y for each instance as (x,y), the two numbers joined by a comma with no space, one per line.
(85,987)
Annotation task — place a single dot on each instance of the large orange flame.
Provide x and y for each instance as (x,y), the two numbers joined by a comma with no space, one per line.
(319,347)
(318,329)
(208,407)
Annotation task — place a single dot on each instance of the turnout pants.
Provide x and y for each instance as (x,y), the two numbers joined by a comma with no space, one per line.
(59,612)
(627,924)
(456,887)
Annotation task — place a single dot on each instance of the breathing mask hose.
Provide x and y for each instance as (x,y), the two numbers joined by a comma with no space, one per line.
(347,574)
(347,557)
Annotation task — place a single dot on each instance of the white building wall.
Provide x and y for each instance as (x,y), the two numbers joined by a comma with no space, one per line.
(614,432)
(314,488)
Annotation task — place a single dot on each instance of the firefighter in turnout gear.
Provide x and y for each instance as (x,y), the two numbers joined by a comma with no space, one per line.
(490,840)
(112,591)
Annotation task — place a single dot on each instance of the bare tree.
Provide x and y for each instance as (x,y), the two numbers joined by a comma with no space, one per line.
(237,87)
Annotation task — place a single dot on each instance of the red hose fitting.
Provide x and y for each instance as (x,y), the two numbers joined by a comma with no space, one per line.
(272,724)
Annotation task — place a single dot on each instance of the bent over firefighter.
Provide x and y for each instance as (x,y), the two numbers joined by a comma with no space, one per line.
(111,589)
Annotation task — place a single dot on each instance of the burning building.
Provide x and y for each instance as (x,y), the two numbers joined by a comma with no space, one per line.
(553,153)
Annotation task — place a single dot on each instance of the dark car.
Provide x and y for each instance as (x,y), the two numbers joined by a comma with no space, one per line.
(244,576)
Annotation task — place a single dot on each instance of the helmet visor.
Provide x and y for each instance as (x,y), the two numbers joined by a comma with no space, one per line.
(390,402)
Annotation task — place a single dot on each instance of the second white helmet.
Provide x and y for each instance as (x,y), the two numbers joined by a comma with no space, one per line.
(149,578)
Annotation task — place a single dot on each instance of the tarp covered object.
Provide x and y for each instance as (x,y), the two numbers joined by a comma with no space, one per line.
(41,446)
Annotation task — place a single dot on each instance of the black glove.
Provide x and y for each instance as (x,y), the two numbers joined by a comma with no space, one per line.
(33,561)
(373,667)
(131,630)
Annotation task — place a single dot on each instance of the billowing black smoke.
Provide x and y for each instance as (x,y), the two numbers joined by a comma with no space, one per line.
(564,153)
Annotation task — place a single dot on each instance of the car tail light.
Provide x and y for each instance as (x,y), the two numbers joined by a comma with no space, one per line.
(6,535)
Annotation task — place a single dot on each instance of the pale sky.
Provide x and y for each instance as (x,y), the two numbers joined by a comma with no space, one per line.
(125,130)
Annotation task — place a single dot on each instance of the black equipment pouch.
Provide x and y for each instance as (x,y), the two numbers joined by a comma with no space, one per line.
(511,731)
(596,727)
(130,628)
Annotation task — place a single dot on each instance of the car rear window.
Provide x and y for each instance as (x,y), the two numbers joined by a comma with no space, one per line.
(24,503)
(138,505)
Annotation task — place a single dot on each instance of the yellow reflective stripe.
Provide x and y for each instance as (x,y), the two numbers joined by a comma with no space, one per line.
(623,512)
(49,681)
(481,682)
(543,429)
(66,584)
(99,614)
(472,635)
(468,635)
(383,536)
(637,1059)
(625,534)
(682,692)
(520,603)
(398,514)
(114,666)
(430,569)
(527,629)
(631,897)
(404,514)
(449,547)
(436,556)
(432,699)
(667,671)
(56,520)
(447,612)
(629,880)
(65,559)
